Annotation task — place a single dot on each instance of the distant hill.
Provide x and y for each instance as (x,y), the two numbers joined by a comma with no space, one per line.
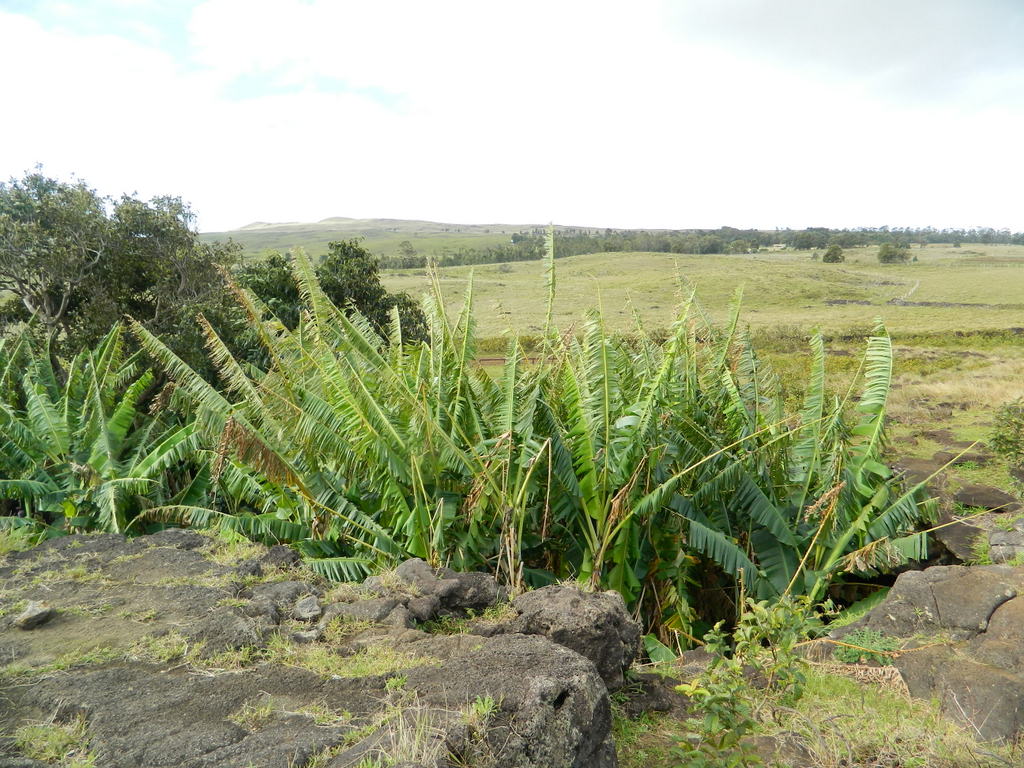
(381,236)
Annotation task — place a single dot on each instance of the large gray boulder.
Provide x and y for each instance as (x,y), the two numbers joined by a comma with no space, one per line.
(964,633)
(594,624)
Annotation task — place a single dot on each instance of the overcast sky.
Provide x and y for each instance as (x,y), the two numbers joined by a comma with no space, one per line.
(692,113)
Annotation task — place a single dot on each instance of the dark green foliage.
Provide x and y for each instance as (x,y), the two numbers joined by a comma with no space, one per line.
(866,645)
(350,278)
(834,255)
(1008,436)
(893,253)
(75,263)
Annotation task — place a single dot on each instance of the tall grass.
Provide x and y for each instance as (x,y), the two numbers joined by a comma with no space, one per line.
(666,470)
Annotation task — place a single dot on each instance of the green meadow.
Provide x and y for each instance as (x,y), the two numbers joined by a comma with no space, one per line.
(782,290)
(958,326)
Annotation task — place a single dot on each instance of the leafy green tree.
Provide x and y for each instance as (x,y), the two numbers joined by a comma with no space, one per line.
(53,236)
(893,253)
(834,255)
(271,279)
(74,263)
(349,276)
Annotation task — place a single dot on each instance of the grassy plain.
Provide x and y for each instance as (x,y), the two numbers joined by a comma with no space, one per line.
(959,333)
(380,236)
(783,291)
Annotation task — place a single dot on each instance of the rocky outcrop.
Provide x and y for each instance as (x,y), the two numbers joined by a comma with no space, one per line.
(179,650)
(964,633)
(595,625)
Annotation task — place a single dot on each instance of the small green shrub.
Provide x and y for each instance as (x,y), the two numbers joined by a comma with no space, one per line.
(1008,436)
(834,255)
(763,650)
(871,645)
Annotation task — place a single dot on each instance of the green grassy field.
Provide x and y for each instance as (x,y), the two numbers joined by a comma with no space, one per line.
(782,290)
(959,338)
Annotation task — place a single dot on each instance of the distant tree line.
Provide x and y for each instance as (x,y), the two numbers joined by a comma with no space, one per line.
(529,245)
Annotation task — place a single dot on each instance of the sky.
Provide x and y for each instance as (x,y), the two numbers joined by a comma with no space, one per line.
(648,113)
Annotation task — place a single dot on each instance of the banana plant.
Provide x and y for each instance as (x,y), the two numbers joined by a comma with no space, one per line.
(77,449)
(653,468)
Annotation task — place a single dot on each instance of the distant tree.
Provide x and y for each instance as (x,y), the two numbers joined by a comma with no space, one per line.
(834,255)
(406,249)
(893,253)
(271,279)
(349,275)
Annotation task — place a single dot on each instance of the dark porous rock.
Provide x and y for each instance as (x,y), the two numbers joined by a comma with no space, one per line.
(283,594)
(973,663)
(177,538)
(374,610)
(1002,644)
(473,591)
(987,497)
(693,663)
(916,471)
(594,624)
(952,598)
(552,706)
(956,458)
(988,700)
(280,556)
(456,593)
(34,615)
(307,609)
(652,693)
(400,616)
(958,537)
(223,629)
(307,636)
(173,667)
(249,569)
(263,610)
(424,608)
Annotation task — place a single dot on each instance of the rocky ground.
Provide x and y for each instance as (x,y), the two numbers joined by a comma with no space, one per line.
(181,650)
(960,640)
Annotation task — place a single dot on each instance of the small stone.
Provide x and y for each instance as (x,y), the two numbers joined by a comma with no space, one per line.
(309,636)
(307,609)
(400,616)
(424,608)
(35,613)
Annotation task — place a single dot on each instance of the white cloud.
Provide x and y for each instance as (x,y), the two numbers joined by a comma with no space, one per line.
(581,112)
